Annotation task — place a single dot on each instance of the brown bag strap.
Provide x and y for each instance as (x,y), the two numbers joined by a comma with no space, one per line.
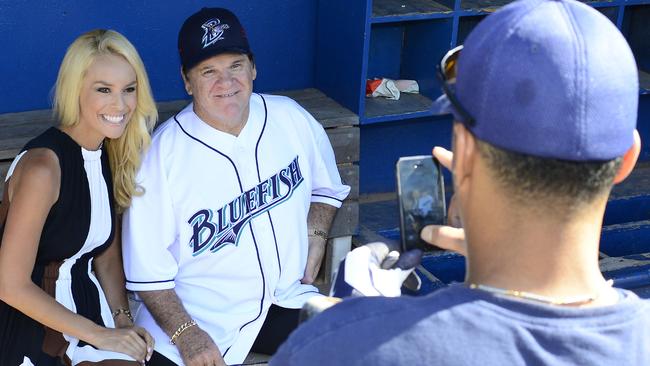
(110,363)
(53,342)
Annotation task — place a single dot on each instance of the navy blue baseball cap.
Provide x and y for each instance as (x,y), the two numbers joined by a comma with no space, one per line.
(548,78)
(210,32)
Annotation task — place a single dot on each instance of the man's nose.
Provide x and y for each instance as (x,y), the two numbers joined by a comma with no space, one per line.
(225,77)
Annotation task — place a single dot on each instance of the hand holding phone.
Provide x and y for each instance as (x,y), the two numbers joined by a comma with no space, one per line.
(452,235)
(420,191)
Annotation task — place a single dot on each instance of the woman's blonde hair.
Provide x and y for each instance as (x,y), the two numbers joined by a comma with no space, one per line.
(124,153)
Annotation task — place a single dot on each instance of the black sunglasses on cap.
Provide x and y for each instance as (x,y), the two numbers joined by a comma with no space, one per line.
(446,71)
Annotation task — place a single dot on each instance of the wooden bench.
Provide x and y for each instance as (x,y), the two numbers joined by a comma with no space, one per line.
(341,126)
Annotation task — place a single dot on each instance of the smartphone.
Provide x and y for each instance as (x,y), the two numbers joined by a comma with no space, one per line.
(421,196)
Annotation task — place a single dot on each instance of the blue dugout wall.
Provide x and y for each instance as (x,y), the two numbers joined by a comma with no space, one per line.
(34,35)
(283,34)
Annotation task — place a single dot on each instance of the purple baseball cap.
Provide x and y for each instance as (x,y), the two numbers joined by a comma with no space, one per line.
(552,79)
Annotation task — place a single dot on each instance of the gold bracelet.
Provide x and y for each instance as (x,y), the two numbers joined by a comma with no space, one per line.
(185,326)
(124,311)
(319,233)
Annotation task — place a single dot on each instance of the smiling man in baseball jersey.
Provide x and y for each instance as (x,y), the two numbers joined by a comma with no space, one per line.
(240,190)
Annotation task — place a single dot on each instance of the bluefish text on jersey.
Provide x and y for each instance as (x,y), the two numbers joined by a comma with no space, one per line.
(233,216)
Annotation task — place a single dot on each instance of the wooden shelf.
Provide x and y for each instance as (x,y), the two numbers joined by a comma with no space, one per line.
(392,8)
(483,5)
(407,104)
(324,109)
(18,128)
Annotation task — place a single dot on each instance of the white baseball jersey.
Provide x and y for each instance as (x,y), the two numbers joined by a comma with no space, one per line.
(223,219)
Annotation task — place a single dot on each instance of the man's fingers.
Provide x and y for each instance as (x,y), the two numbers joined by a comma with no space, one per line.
(308,276)
(314,260)
(444,156)
(445,237)
(307,279)
(310,272)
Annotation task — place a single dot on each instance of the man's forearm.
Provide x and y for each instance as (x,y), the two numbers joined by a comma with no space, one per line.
(166,308)
(320,217)
(319,221)
(195,345)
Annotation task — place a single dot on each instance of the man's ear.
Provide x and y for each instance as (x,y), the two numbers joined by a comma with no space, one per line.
(629,159)
(188,87)
(464,147)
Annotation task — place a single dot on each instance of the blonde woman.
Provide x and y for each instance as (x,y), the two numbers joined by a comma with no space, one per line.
(61,276)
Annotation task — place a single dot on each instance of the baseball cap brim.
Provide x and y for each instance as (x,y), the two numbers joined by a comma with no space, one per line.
(215,52)
(442,105)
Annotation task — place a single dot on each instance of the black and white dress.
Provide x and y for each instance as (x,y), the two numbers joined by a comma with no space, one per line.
(79,226)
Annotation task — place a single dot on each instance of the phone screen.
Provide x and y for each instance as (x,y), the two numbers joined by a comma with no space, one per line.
(420,190)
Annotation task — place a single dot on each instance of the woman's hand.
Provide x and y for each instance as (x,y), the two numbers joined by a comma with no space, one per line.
(133,341)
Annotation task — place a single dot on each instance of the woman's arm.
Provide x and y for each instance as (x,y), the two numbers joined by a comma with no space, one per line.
(32,191)
(110,273)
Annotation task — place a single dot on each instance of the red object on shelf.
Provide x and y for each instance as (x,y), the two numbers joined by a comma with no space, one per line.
(372,85)
(389,88)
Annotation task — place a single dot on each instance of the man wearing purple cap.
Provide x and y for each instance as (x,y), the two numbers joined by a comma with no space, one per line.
(240,190)
(544,98)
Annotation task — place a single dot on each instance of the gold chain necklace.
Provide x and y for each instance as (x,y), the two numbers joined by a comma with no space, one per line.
(575,301)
